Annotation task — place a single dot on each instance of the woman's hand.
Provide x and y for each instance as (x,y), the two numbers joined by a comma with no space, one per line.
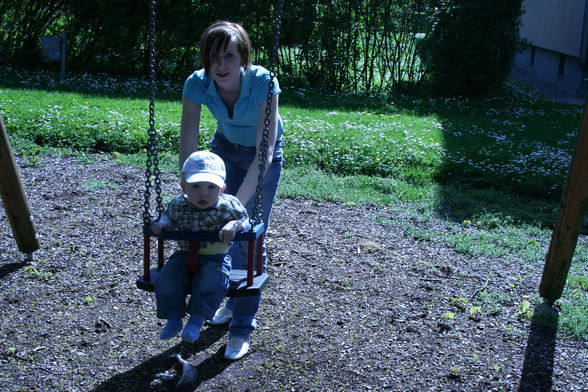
(156,227)
(228,232)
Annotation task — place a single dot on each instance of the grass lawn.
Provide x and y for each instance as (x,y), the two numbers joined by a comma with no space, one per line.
(491,169)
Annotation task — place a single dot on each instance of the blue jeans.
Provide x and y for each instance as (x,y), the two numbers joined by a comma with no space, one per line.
(237,160)
(208,286)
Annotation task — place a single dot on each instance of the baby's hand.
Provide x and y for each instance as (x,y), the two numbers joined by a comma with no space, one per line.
(227,233)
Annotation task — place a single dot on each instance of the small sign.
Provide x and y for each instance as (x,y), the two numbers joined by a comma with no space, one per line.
(51,48)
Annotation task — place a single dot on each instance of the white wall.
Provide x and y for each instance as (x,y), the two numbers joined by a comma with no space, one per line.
(546,68)
(555,25)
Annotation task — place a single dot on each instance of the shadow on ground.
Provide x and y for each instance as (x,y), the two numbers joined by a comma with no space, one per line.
(142,377)
(8,269)
(537,372)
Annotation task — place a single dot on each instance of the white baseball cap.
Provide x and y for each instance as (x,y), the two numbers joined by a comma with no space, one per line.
(204,166)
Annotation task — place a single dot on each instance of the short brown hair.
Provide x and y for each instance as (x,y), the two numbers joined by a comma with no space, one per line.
(217,36)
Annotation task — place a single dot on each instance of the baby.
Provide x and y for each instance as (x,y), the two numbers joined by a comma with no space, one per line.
(201,207)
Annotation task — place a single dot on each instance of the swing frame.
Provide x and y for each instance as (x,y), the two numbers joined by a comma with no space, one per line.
(15,200)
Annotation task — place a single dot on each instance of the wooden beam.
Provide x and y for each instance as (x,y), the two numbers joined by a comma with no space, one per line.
(14,198)
(569,220)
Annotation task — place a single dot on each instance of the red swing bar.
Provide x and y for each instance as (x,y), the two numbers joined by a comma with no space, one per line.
(243,282)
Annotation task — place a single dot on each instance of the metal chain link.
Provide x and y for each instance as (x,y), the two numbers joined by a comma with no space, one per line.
(152,163)
(257,212)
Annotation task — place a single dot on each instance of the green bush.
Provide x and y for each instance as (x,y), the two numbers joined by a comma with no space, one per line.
(471,46)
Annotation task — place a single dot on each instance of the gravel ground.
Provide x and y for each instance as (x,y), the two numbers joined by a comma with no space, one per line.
(353,303)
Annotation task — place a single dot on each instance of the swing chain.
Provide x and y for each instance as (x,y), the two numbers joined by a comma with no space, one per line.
(257,212)
(152,163)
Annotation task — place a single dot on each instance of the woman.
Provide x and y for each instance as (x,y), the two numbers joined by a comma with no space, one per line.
(235,92)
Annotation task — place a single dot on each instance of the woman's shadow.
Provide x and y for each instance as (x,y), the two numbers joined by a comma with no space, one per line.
(142,377)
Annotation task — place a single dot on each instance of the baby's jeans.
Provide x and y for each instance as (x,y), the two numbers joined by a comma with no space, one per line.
(208,286)
(237,160)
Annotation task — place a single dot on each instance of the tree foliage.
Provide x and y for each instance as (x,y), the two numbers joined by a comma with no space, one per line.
(337,45)
(23,23)
(351,45)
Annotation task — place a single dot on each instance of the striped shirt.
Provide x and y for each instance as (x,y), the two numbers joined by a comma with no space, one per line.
(184,216)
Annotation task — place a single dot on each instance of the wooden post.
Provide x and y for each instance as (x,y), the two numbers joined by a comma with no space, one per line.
(569,220)
(62,50)
(14,198)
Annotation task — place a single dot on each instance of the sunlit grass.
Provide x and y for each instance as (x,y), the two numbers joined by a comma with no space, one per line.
(300,182)
(515,142)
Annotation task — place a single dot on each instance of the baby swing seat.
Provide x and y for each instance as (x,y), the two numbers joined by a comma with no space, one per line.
(250,281)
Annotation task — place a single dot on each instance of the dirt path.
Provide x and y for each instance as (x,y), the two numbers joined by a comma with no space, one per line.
(353,304)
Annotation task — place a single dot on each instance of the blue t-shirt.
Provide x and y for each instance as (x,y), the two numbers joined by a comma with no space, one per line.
(242,127)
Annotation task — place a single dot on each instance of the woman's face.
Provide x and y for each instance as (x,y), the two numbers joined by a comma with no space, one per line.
(225,67)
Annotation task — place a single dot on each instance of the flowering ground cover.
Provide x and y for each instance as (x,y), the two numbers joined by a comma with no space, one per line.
(517,142)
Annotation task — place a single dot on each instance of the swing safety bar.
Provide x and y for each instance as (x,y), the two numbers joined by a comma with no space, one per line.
(242,282)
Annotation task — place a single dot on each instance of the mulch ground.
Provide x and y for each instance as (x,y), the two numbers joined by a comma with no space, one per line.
(353,303)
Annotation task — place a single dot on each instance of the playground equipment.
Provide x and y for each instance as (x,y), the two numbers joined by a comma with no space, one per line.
(569,220)
(243,282)
(15,200)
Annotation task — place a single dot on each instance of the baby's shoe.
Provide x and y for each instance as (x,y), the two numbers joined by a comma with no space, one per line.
(171,329)
(191,331)
(222,316)
(236,348)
